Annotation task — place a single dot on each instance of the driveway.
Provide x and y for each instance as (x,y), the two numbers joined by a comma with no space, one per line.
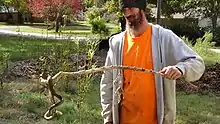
(6,30)
(216,50)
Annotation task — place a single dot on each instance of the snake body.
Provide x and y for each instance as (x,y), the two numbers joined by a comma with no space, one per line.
(49,114)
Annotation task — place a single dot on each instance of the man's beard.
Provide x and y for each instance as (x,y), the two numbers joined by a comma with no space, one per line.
(134,21)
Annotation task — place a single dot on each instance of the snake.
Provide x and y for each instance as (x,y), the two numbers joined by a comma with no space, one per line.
(50,113)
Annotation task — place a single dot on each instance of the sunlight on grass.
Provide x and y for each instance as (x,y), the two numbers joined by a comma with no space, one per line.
(64,32)
(197,109)
(3,24)
(31,102)
(87,113)
(27,106)
(212,59)
(203,46)
(81,28)
(23,48)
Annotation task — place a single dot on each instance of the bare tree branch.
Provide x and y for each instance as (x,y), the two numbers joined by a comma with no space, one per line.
(50,82)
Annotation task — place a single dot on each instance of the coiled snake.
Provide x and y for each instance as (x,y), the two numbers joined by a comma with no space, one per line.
(51,111)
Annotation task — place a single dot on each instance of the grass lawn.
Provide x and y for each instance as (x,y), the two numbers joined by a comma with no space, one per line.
(210,57)
(29,107)
(81,28)
(20,104)
(191,108)
(67,31)
(42,30)
(3,24)
(218,47)
(197,109)
(20,48)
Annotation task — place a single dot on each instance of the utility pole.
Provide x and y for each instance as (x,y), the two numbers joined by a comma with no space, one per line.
(159,11)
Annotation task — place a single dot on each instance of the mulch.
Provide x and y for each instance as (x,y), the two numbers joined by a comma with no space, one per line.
(208,83)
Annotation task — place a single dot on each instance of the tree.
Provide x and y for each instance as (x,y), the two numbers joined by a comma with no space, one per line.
(88,3)
(1,2)
(91,3)
(112,6)
(54,10)
(208,9)
(170,7)
(194,8)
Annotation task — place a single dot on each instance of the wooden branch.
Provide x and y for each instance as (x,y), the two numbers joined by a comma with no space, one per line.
(60,74)
(102,69)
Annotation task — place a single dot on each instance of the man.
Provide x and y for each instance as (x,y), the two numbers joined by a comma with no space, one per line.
(146,98)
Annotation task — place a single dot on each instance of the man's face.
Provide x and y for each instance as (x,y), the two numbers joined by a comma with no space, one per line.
(133,17)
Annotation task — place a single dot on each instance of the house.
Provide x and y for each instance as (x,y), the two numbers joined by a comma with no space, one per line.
(9,14)
(180,19)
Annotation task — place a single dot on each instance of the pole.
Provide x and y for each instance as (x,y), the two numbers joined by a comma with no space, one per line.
(159,11)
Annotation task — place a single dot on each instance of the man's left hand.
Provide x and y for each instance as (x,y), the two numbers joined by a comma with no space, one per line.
(171,72)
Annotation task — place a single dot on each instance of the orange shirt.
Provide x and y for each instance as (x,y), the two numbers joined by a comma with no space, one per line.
(139,96)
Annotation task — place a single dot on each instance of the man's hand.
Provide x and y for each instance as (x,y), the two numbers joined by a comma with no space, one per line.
(171,72)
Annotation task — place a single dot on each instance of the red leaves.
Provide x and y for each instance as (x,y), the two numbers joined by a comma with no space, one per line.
(41,8)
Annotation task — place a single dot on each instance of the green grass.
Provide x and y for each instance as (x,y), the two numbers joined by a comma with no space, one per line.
(203,46)
(191,108)
(3,24)
(86,23)
(31,102)
(70,30)
(197,109)
(21,48)
(20,104)
(217,47)
(209,56)
(20,107)
(81,28)
(67,31)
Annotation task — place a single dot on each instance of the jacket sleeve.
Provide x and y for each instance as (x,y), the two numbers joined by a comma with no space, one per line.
(106,90)
(187,60)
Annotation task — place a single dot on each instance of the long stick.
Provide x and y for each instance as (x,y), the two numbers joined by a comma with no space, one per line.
(59,75)
(101,69)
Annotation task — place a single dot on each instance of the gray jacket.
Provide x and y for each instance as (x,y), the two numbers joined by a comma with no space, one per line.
(167,49)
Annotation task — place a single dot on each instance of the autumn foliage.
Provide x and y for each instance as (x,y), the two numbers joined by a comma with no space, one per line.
(51,8)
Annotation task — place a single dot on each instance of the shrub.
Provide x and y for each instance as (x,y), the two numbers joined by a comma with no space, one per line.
(191,31)
(99,26)
(93,13)
(202,45)
(95,18)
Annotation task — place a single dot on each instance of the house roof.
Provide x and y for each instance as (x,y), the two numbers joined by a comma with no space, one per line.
(11,9)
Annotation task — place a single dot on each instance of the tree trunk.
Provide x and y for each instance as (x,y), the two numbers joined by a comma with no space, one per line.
(57,25)
(122,23)
(58,22)
(214,24)
(20,19)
